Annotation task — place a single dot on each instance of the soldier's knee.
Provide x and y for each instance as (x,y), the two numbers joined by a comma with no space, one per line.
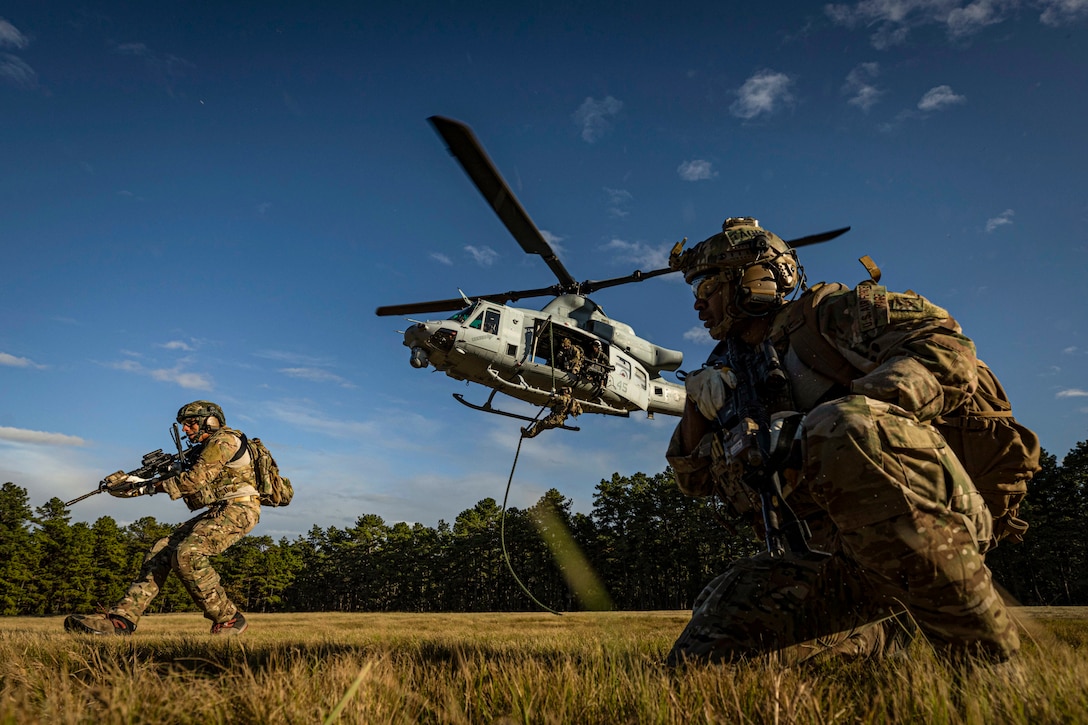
(157,547)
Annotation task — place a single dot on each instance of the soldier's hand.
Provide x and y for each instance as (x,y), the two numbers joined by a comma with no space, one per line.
(709,389)
(122,485)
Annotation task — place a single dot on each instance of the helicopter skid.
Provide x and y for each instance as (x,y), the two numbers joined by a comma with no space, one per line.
(524,389)
(487,408)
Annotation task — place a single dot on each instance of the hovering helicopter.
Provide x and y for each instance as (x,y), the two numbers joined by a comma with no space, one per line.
(517,351)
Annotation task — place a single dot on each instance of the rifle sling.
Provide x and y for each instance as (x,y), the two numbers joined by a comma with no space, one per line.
(242,449)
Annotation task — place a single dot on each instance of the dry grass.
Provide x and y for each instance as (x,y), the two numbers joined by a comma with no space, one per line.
(499,668)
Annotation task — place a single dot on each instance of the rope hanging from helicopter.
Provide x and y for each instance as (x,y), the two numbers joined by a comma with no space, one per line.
(510,480)
(502,527)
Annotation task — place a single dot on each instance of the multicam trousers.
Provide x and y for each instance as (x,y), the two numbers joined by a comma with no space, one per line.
(910,535)
(187,552)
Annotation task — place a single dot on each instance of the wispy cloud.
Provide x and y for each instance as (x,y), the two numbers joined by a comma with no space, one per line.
(294,359)
(175,375)
(644,256)
(1062,12)
(301,415)
(484,256)
(19,362)
(316,375)
(696,170)
(555,242)
(441,258)
(13,69)
(617,202)
(1002,219)
(891,21)
(859,86)
(10,37)
(1072,393)
(23,435)
(766,92)
(938,98)
(595,117)
(177,345)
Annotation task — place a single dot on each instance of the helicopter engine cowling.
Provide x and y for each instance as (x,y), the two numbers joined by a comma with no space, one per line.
(419,358)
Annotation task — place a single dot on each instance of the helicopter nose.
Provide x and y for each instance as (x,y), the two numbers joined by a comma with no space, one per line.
(415,335)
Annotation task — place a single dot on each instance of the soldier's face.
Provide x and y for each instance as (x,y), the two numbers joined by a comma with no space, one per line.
(191,428)
(710,301)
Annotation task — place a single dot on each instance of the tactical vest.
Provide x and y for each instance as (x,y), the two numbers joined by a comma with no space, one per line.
(1000,454)
(236,474)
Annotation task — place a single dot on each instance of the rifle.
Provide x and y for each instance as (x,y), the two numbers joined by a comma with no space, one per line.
(153,466)
(744,429)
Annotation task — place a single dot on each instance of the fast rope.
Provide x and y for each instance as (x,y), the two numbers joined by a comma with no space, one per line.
(502,526)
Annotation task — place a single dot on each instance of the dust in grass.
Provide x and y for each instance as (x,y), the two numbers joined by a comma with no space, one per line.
(498,667)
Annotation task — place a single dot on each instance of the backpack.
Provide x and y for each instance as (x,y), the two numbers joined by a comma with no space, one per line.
(274,489)
(1000,454)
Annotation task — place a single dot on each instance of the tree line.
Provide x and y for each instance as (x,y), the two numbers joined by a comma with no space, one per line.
(642,546)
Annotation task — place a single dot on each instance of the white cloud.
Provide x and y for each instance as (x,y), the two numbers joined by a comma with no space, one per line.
(1000,220)
(938,98)
(18,362)
(764,93)
(441,258)
(696,170)
(1062,12)
(37,437)
(860,88)
(555,242)
(1072,393)
(618,201)
(10,37)
(14,70)
(644,256)
(181,378)
(891,21)
(485,256)
(176,345)
(595,117)
(699,335)
(316,375)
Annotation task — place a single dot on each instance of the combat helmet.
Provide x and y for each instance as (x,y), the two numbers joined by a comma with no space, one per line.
(757,267)
(201,410)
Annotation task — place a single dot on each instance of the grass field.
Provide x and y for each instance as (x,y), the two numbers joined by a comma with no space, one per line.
(501,668)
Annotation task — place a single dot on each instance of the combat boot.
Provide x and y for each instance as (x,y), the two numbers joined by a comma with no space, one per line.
(235,625)
(105,624)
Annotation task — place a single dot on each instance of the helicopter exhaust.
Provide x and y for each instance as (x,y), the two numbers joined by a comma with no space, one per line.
(419,358)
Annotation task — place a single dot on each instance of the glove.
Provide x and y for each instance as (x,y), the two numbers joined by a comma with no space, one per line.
(708,388)
(122,485)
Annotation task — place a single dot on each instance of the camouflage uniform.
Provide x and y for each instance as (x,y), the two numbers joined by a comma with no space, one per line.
(903,523)
(563,405)
(228,490)
(570,357)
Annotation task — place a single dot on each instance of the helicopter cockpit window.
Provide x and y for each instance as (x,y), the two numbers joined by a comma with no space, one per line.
(463,315)
(491,322)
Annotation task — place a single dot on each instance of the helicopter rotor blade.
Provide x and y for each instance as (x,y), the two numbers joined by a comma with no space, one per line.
(457,303)
(817,238)
(469,152)
(590,286)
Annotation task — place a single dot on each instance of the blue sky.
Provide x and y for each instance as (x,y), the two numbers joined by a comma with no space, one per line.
(209,200)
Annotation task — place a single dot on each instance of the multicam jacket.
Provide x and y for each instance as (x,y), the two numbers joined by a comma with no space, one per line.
(910,352)
(215,476)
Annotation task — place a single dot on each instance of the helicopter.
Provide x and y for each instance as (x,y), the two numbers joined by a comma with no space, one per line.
(518,351)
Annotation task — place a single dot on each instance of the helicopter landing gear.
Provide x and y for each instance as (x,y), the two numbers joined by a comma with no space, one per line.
(487,408)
